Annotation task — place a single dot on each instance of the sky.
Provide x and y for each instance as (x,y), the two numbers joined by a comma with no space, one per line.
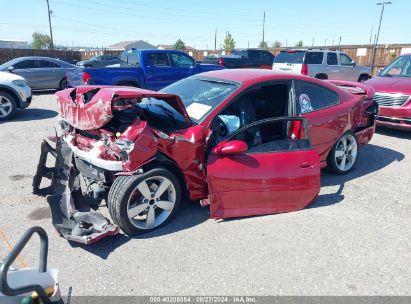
(100,23)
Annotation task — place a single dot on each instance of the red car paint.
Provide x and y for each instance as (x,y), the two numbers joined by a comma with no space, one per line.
(398,117)
(237,185)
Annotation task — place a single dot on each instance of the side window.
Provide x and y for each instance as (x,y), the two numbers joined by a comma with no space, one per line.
(311,97)
(254,54)
(274,135)
(47,64)
(314,58)
(133,59)
(158,59)
(267,55)
(26,64)
(181,60)
(332,59)
(345,60)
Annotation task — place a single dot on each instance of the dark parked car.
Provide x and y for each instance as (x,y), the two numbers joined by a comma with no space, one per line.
(99,61)
(247,58)
(247,142)
(40,72)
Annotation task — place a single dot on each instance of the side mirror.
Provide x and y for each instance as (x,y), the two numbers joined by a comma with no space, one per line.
(353,63)
(10,69)
(379,71)
(231,147)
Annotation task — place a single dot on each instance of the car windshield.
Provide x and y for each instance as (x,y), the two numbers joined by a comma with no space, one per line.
(290,57)
(400,67)
(8,63)
(201,95)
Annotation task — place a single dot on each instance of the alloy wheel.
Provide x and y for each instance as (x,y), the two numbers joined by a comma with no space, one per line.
(346,152)
(5,106)
(151,202)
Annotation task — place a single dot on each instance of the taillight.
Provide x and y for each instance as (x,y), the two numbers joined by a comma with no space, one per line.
(86,77)
(220,61)
(304,69)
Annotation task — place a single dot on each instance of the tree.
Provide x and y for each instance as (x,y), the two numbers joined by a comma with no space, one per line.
(263,45)
(179,45)
(229,42)
(40,41)
(277,44)
(299,44)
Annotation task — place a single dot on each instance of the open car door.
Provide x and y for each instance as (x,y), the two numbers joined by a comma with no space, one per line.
(266,167)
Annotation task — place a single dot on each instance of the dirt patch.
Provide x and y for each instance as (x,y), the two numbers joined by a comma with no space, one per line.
(40,214)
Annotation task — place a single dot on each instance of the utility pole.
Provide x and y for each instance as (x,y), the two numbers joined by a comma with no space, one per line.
(372,27)
(312,44)
(263,27)
(383,4)
(325,42)
(339,44)
(215,40)
(51,31)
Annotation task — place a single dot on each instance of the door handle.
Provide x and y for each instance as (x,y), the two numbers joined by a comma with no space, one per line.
(306,165)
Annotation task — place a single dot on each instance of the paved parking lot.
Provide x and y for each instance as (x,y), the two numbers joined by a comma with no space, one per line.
(354,240)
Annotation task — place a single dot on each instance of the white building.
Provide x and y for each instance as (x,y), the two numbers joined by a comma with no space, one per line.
(13,44)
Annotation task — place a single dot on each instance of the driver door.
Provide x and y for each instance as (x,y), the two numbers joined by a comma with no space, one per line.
(278,173)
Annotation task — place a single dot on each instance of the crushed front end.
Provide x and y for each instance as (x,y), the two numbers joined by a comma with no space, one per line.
(103,136)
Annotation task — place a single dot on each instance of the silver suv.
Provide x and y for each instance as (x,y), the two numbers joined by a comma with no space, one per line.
(322,64)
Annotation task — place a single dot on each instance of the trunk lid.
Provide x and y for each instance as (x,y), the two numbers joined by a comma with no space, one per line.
(91,107)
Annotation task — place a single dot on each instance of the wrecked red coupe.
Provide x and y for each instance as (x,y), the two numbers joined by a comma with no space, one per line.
(246,142)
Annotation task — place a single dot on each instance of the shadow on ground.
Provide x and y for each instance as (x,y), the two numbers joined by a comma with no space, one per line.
(371,158)
(394,133)
(190,214)
(30,114)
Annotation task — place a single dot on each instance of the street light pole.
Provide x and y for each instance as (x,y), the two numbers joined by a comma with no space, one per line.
(51,31)
(374,50)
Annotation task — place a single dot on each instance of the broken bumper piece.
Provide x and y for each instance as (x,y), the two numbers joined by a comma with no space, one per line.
(72,216)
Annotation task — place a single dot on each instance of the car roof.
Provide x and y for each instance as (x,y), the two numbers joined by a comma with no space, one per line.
(249,75)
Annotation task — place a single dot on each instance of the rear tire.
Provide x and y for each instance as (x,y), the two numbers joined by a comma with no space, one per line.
(64,84)
(344,154)
(128,84)
(145,202)
(8,106)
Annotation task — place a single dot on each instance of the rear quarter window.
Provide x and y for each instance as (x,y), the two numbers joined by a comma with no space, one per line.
(290,57)
(314,58)
(312,97)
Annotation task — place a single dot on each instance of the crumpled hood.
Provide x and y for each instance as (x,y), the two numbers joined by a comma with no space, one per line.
(391,84)
(90,107)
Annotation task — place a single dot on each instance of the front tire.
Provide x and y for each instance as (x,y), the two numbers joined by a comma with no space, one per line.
(8,106)
(363,78)
(344,154)
(145,202)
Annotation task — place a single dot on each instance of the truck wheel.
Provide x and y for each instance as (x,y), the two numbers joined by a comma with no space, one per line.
(8,106)
(128,84)
(321,76)
(363,78)
(344,154)
(144,202)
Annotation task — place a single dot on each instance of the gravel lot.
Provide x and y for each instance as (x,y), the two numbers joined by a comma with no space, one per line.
(354,240)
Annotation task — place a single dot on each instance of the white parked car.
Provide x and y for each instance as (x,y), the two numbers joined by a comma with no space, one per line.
(14,94)
(321,64)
